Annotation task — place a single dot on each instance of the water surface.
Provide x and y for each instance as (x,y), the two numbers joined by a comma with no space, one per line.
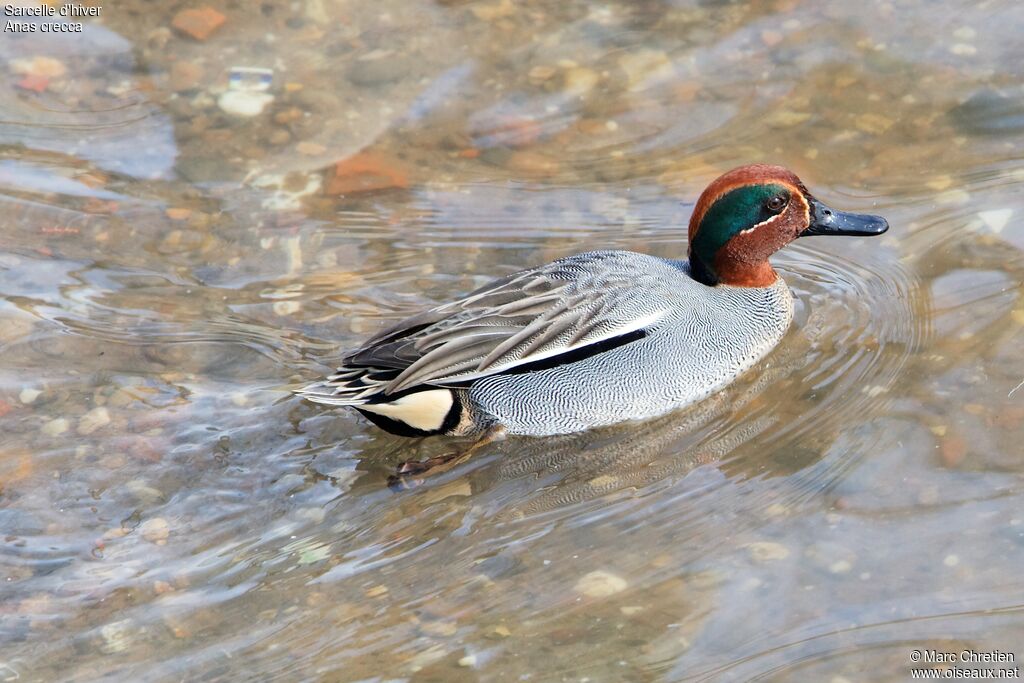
(170,270)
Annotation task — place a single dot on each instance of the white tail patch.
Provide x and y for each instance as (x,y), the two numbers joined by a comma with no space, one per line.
(424,410)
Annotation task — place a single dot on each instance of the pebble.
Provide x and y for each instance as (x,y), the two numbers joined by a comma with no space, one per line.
(377,591)
(468,661)
(951,560)
(185,75)
(55,427)
(503,9)
(785,118)
(28,396)
(600,584)
(875,124)
(284,308)
(458,488)
(366,172)
(310,149)
(34,83)
(541,73)
(952,450)
(643,66)
(117,636)
(156,530)
(963,49)
(144,493)
(533,163)
(939,183)
(198,24)
(996,219)
(43,67)
(767,551)
(580,80)
(381,71)
(771,38)
(93,420)
(177,213)
(956,196)
(440,629)
(840,567)
(244,103)
(279,137)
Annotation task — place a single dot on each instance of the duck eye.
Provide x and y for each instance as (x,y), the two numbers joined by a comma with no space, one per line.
(776,203)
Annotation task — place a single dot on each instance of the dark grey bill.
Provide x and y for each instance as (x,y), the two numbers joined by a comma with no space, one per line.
(826,221)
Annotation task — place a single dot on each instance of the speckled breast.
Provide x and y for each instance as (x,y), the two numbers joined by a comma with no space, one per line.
(713,335)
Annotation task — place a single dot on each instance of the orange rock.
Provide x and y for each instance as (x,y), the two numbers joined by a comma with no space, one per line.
(178,214)
(22,467)
(198,23)
(952,450)
(1010,417)
(34,83)
(310,149)
(366,172)
(185,75)
(97,205)
(92,179)
(533,163)
(469,153)
(515,131)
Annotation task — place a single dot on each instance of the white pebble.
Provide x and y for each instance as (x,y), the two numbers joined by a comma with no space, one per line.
(996,219)
(29,395)
(117,636)
(93,420)
(55,427)
(244,103)
(764,551)
(600,584)
(283,308)
(840,567)
(156,530)
(951,561)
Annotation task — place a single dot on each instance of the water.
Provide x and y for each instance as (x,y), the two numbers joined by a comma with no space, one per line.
(169,271)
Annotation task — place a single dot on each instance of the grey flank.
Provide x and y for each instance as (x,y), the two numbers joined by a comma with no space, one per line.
(691,340)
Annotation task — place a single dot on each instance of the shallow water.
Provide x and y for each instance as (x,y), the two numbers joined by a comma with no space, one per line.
(169,271)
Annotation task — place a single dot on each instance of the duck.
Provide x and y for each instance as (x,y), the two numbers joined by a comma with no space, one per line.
(600,337)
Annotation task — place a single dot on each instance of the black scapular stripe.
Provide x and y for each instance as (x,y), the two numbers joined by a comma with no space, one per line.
(574,356)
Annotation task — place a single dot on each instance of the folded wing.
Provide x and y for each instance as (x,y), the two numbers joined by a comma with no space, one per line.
(534,315)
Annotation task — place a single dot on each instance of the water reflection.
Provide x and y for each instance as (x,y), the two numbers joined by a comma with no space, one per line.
(170,269)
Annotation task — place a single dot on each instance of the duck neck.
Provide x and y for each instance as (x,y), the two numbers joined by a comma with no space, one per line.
(701,272)
(727,271)
(744,274)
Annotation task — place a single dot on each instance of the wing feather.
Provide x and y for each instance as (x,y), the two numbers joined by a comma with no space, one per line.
(522,318)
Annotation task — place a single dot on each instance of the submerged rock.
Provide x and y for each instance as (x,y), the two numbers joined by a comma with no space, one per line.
(989,112)
(600,584)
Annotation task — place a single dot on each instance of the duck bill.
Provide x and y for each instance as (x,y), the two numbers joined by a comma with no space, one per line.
(826,221)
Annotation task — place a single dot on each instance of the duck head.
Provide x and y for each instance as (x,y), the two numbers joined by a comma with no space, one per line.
(749,213)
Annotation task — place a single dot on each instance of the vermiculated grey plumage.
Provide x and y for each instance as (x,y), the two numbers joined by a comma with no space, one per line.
(584,341)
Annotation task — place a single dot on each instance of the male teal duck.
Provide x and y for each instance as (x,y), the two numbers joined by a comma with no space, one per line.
(599,337)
